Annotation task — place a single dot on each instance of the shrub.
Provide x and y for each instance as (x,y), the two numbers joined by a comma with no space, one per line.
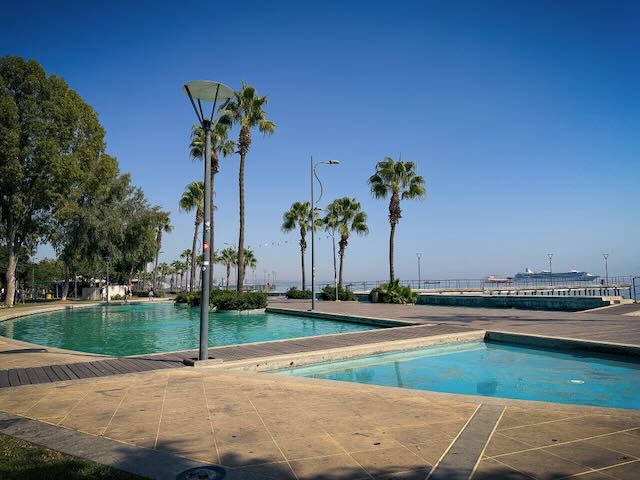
(230,300)
(145,293)
(192,299)
(393,292)
(293,292)
(329,293)
(117,296)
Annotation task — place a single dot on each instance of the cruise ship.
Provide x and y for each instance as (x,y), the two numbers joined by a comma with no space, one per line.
(557,277)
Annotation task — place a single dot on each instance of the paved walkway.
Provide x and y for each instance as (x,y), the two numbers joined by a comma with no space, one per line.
(600,325)
(262,426)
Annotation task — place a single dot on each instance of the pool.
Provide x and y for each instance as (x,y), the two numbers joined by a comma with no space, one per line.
(136,329)
(496,370)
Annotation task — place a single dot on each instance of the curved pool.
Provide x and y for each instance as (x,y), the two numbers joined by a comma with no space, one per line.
(137,329)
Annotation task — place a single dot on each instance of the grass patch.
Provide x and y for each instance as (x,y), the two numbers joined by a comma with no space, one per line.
(20,460)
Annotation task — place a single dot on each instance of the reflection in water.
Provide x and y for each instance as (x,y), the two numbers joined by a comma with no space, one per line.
(161,327)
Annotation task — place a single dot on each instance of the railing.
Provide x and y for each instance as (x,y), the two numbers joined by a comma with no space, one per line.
(613,285)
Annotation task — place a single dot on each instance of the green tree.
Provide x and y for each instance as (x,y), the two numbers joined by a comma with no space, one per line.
(220,145)
(47,134)
(400,181)
(193,199)
(344,216)
(186,255)
(163,226)
(247,110)
(228,257)
(299,216)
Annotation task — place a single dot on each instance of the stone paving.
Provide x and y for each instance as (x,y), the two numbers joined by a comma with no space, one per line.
(267,426)
(604,325)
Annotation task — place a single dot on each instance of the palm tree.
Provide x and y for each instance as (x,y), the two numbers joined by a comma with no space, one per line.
(299,215)
(246,110)
(193,199)
(400,181)
(163,225)
(228,258)
(162,270)
(220,144)
(186,254)
(345,215)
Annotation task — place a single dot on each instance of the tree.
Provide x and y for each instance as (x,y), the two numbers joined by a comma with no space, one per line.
(47,133)
(220,145)
(163,225)
(186,255)
(299,216)
(228,257)
(344,216)
(247,110)
(193,199)
(399,180)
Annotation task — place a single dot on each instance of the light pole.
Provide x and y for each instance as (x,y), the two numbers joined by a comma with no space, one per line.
(213,92)
(419,255)
(313,224)
(606,268)
(550,256)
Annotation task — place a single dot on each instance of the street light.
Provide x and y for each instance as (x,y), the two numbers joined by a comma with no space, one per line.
(606,267)
(313,224)
(419,255)
(200,91)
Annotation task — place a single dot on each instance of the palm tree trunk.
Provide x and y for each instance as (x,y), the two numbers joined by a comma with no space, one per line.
(193,254)
(240,276)
(341,252)
(391,248)
(155,269)
(228,274)
(302,250)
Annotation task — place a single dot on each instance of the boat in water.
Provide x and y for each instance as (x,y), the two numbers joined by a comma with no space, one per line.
(555,277)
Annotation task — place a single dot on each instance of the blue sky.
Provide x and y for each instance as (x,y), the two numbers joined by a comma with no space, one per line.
(524,118)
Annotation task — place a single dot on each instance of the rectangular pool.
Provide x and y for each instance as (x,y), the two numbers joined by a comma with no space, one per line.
(496,370)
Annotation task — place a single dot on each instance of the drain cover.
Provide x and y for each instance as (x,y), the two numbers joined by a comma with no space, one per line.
(207,472)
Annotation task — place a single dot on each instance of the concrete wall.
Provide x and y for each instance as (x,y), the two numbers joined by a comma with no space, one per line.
(93,293)
(570,304)
(525,302)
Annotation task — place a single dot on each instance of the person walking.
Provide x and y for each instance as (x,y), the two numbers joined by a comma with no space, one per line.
(151,294)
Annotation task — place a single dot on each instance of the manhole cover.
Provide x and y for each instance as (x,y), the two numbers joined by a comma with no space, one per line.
(208,472)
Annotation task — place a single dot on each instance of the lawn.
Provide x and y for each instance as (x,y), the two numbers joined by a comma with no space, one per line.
(20,460)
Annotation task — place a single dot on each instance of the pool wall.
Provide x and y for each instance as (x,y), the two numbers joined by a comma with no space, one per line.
(379,322)
(347,353)
(564,343)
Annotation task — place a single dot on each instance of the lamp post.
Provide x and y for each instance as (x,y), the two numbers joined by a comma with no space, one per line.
(606,268)
(200,91)
(313,224)
(419,255)
(550,256)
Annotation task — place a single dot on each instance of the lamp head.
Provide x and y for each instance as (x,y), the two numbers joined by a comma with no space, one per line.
(332,162)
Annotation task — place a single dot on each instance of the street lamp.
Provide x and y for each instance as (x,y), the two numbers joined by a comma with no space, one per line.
(419,255)
(606,267)
(313,223)
(200,91)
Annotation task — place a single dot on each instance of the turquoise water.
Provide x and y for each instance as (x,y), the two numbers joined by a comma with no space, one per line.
(160,327)
(496,370)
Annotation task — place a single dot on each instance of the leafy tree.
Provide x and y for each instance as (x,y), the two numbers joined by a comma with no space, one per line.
(398,180)
(220,145)
(193,199)
(299,216)
(49,139)
(247,110)
(344,216)
(228,257)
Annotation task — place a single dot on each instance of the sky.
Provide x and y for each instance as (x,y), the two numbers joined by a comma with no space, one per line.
(523,117)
